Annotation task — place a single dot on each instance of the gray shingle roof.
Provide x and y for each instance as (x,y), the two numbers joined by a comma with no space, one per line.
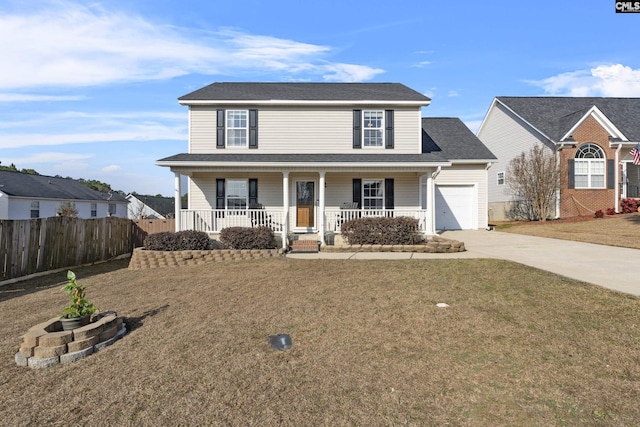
(453,139)
(160,204)
(555,116)
(338,159)
(48,187)
(227,91)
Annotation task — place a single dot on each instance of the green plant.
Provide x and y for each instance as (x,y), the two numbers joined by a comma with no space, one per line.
(381,231)
(247,238)
(79,305)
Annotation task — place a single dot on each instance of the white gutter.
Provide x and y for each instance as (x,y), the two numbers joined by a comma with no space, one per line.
(302,102)
(436,173)
(302,165)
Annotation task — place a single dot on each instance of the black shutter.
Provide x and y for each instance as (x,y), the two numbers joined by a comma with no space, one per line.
(357,129)
(388,193)
(571,177)
(220,128)
(253,128)
(611,174)
(253,191)
(220,194)
(357,192)
(388,120)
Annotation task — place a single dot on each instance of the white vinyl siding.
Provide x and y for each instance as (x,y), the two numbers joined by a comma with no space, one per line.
(305,129)
(506,136)
(19,208)
(202,188)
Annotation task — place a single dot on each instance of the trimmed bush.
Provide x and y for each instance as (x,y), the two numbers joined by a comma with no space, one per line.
(629,205)
(381,231)
(247,238)
(187,240)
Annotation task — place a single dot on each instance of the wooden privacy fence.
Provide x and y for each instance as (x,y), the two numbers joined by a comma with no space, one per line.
(36,245)
(150,226)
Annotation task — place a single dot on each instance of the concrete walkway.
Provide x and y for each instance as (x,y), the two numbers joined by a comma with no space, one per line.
(608,266)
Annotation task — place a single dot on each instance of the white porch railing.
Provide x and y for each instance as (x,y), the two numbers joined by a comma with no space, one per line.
(335,217)
(214,220)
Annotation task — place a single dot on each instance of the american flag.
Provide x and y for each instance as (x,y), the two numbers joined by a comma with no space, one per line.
(635,153)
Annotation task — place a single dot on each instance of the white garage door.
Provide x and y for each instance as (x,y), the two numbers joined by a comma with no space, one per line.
(454,207)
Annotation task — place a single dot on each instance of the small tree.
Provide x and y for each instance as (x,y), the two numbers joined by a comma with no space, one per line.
(67,209)
(534,178)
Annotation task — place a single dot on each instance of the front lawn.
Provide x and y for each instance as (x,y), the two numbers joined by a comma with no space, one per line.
(517,346)
(617,230)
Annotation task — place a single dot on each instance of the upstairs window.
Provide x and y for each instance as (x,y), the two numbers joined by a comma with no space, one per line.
(35,209)
(94,210)
(500,178)
(237,128)
(589,167)
(373,128)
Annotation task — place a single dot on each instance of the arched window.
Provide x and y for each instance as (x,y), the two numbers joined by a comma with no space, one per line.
(589,167)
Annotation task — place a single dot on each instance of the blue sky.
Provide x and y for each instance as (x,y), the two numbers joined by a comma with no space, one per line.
(89,89)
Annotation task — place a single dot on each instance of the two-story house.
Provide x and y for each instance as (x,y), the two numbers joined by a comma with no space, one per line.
(305,157)
(27,196)
(590,137)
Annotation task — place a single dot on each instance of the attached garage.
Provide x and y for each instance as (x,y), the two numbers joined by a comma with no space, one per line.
(455,207)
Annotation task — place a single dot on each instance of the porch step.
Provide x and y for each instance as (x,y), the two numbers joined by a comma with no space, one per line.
(304,246)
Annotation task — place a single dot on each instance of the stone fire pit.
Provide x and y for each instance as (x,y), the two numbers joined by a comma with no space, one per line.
(46,344)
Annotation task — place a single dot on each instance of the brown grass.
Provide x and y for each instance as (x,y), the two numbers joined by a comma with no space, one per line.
(517,346)
(619,230)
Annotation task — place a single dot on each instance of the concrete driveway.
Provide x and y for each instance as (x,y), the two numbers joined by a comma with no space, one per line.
(608,266)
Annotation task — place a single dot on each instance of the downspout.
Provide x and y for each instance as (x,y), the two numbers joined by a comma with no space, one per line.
(617,177)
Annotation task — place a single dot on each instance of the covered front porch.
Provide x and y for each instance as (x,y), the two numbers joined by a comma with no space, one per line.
(302,202)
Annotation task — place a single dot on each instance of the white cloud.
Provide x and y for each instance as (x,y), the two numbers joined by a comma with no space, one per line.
(111,168)
(46,157)
(615,80)
(453,93)
(422,64)
(26,97)
(60,43)
(53,129)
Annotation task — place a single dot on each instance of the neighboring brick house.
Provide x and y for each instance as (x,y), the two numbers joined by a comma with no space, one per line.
(591,138)
(27,196)
(302,158)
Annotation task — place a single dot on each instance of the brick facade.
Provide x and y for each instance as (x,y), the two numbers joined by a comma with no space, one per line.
(581,202)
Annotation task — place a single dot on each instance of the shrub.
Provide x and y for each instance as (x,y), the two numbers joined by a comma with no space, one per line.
(629,205)
(187,240)
(599,214)
(611,211)
(247,238)
(381,231)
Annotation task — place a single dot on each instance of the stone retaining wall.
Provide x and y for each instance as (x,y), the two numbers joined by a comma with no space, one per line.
(46,344)
(434,244)
(142,258)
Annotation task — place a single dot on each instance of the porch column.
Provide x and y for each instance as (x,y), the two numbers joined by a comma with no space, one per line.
(176,195)
(321,208)
(285,207)
(431,202)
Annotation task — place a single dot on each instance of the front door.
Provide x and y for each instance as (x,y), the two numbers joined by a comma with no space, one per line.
(305,197)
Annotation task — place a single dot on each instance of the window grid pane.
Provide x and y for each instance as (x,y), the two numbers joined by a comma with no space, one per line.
(237,194)
(237,128)
(372,195)
(373,127)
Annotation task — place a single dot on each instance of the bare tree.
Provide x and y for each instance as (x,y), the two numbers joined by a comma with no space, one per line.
(67,208)
(534,179)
